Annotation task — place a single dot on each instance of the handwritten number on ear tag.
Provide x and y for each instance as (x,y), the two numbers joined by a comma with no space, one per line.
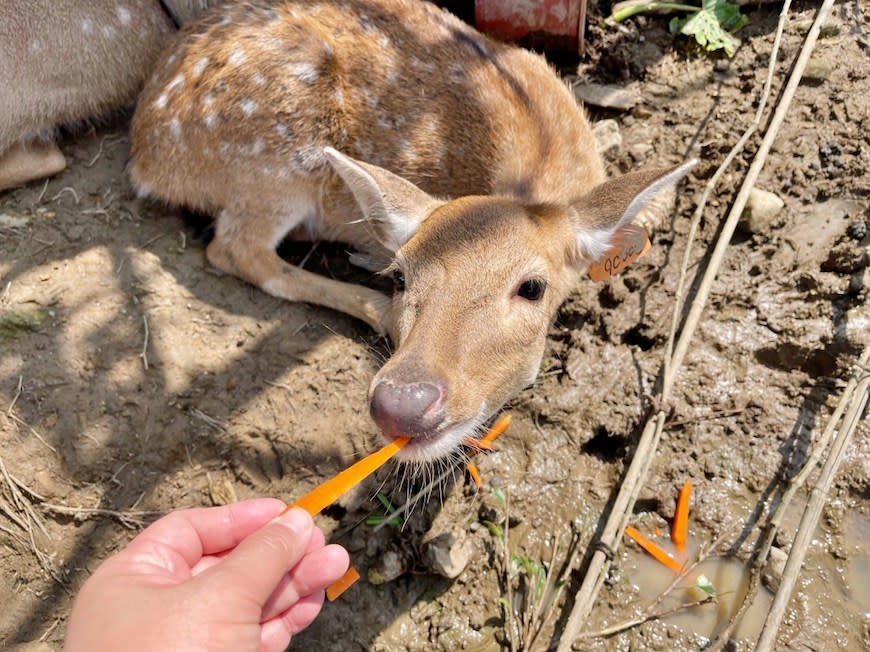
(629,243)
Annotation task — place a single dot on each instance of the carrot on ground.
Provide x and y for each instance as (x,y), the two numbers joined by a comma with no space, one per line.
(485,442)
(681,517)
(653,549)
(327,493)
(472,470)
(342,584)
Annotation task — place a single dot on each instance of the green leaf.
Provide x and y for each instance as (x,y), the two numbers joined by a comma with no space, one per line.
(494,530)
(499,494)
(711,25)
(705,585)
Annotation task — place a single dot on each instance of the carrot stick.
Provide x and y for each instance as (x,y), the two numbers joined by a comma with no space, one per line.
(342,584)
(485,442)
(680,527)
(472,469)
(327,493)
(653,549)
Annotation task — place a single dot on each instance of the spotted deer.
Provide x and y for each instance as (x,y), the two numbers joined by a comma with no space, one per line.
(460,166)
(65,62)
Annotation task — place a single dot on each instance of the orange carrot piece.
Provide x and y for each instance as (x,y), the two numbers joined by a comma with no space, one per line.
(327,493)
(472,469)
(680,527)
(342,584)
(653,549)
(485,442)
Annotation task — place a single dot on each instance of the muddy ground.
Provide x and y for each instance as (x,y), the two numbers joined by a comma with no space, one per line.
(133,379)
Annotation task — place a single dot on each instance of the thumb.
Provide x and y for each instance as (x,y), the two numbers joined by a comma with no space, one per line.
(256,566)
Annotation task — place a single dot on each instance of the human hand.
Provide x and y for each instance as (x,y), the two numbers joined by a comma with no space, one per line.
(222,578)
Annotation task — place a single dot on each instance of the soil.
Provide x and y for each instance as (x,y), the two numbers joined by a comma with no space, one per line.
(135,380)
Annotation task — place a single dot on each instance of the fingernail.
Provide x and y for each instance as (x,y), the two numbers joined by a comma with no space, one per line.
(296,519)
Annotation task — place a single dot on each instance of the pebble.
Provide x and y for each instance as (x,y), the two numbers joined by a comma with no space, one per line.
(448,553)
(607,96)
(13,221)
(760,212)
(817,71)
(608,140)
(773,569)
(390,566)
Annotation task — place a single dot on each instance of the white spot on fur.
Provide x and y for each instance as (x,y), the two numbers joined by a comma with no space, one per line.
(176,83)
(143,190)
(257,147)
(199,66)
(339,97)
(107,31)
(258,79)
(281,129)
(249,106)
(306,73)
(160,102)
(123,14)
(236,58)
(175,129)
(86,25)
(208,99)
(34,46)
(211,120)
(224,149)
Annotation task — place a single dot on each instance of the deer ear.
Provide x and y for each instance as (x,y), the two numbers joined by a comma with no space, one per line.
(617,202)
(394,206)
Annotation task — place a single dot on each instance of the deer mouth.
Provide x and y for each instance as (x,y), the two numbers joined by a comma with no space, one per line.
(443,442)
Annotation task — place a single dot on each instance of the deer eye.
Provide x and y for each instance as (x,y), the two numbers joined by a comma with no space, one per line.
(532,290)
(398,280)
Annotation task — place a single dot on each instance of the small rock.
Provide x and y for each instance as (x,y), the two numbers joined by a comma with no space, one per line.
(846,258)
(608,140)
(640,152)
(221,491)
(449,553)
(817,71)
(44,483)
(607,96)
(14,221)
(773,569)
(760,212)
(829,29)
(390,566)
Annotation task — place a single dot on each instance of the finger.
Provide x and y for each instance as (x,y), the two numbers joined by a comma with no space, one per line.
(193,533)
(315,572)
(258,563)
(208,561)
(275,634)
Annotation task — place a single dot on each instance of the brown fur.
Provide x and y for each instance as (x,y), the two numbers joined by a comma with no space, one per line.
(471,161)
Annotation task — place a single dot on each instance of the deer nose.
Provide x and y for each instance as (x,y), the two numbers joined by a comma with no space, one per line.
(410,409)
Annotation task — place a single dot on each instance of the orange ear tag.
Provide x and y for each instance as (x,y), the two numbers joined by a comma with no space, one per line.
(629,243)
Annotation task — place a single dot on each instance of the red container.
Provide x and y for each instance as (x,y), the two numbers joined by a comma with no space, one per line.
(550,24)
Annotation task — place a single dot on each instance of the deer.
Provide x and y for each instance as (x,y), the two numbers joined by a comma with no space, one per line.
(460,167)
(64,63)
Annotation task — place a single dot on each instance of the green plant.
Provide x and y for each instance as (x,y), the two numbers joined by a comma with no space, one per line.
(531,586)
(373,520)
(712,24)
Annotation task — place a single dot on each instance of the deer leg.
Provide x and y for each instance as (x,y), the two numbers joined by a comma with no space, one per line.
(20,163)
(237,252)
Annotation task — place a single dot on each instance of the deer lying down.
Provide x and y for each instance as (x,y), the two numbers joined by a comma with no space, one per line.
(64,62)
(460,166)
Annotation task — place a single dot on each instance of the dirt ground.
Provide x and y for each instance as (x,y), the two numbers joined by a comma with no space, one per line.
(134,380)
